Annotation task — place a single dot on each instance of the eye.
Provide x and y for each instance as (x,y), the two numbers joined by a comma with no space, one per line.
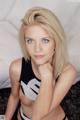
(29,41)
(45,40)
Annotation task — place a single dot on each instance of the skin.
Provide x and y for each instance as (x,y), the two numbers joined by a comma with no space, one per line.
(40,46)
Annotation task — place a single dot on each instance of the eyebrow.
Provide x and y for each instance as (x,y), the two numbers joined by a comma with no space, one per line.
(27,37)
(32,38)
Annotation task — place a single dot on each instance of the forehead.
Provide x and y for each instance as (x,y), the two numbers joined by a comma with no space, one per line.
(36,30)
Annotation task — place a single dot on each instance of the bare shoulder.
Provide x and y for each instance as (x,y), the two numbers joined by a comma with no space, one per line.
(15,69)
(69,73)
(70,68)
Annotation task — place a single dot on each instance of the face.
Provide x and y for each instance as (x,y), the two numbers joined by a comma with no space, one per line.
(40,46)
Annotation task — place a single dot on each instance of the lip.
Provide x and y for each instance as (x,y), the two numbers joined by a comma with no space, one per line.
(39,56)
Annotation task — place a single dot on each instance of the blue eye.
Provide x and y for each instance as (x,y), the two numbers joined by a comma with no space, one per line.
(45,40)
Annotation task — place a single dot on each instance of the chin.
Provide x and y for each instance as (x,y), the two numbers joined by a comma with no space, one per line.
(40,62)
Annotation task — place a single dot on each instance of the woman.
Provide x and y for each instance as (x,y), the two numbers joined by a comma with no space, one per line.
(41,79)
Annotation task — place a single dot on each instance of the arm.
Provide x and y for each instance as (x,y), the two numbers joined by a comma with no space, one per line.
(14,96)
(42,104)
(63,85)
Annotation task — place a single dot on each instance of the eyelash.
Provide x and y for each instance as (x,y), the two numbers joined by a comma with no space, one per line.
(29,41)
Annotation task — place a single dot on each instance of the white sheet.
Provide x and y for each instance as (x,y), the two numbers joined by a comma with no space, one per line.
(9,50)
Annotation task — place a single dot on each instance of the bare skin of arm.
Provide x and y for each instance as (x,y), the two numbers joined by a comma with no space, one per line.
(43,102)
(63,85)
(14,96)
(59,91)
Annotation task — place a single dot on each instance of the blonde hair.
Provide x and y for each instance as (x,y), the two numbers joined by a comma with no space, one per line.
(49,21)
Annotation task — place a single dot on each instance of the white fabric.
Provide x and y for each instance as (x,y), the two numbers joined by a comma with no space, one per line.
(9,50)
(2,117)
(30,88)
(11,12)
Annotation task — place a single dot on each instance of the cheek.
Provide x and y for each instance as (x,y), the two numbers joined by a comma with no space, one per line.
(29,50)
(50,54)
(50,50)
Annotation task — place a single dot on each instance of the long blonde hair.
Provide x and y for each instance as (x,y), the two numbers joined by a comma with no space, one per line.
(48,20)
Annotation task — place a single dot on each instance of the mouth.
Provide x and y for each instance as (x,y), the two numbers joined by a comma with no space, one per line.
(39,56)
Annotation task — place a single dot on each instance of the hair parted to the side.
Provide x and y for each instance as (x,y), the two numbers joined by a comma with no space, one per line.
(48,20)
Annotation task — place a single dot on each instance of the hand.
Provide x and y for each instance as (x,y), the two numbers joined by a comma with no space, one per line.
(46,71)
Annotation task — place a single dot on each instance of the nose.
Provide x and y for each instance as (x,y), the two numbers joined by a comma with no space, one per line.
(38,47)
